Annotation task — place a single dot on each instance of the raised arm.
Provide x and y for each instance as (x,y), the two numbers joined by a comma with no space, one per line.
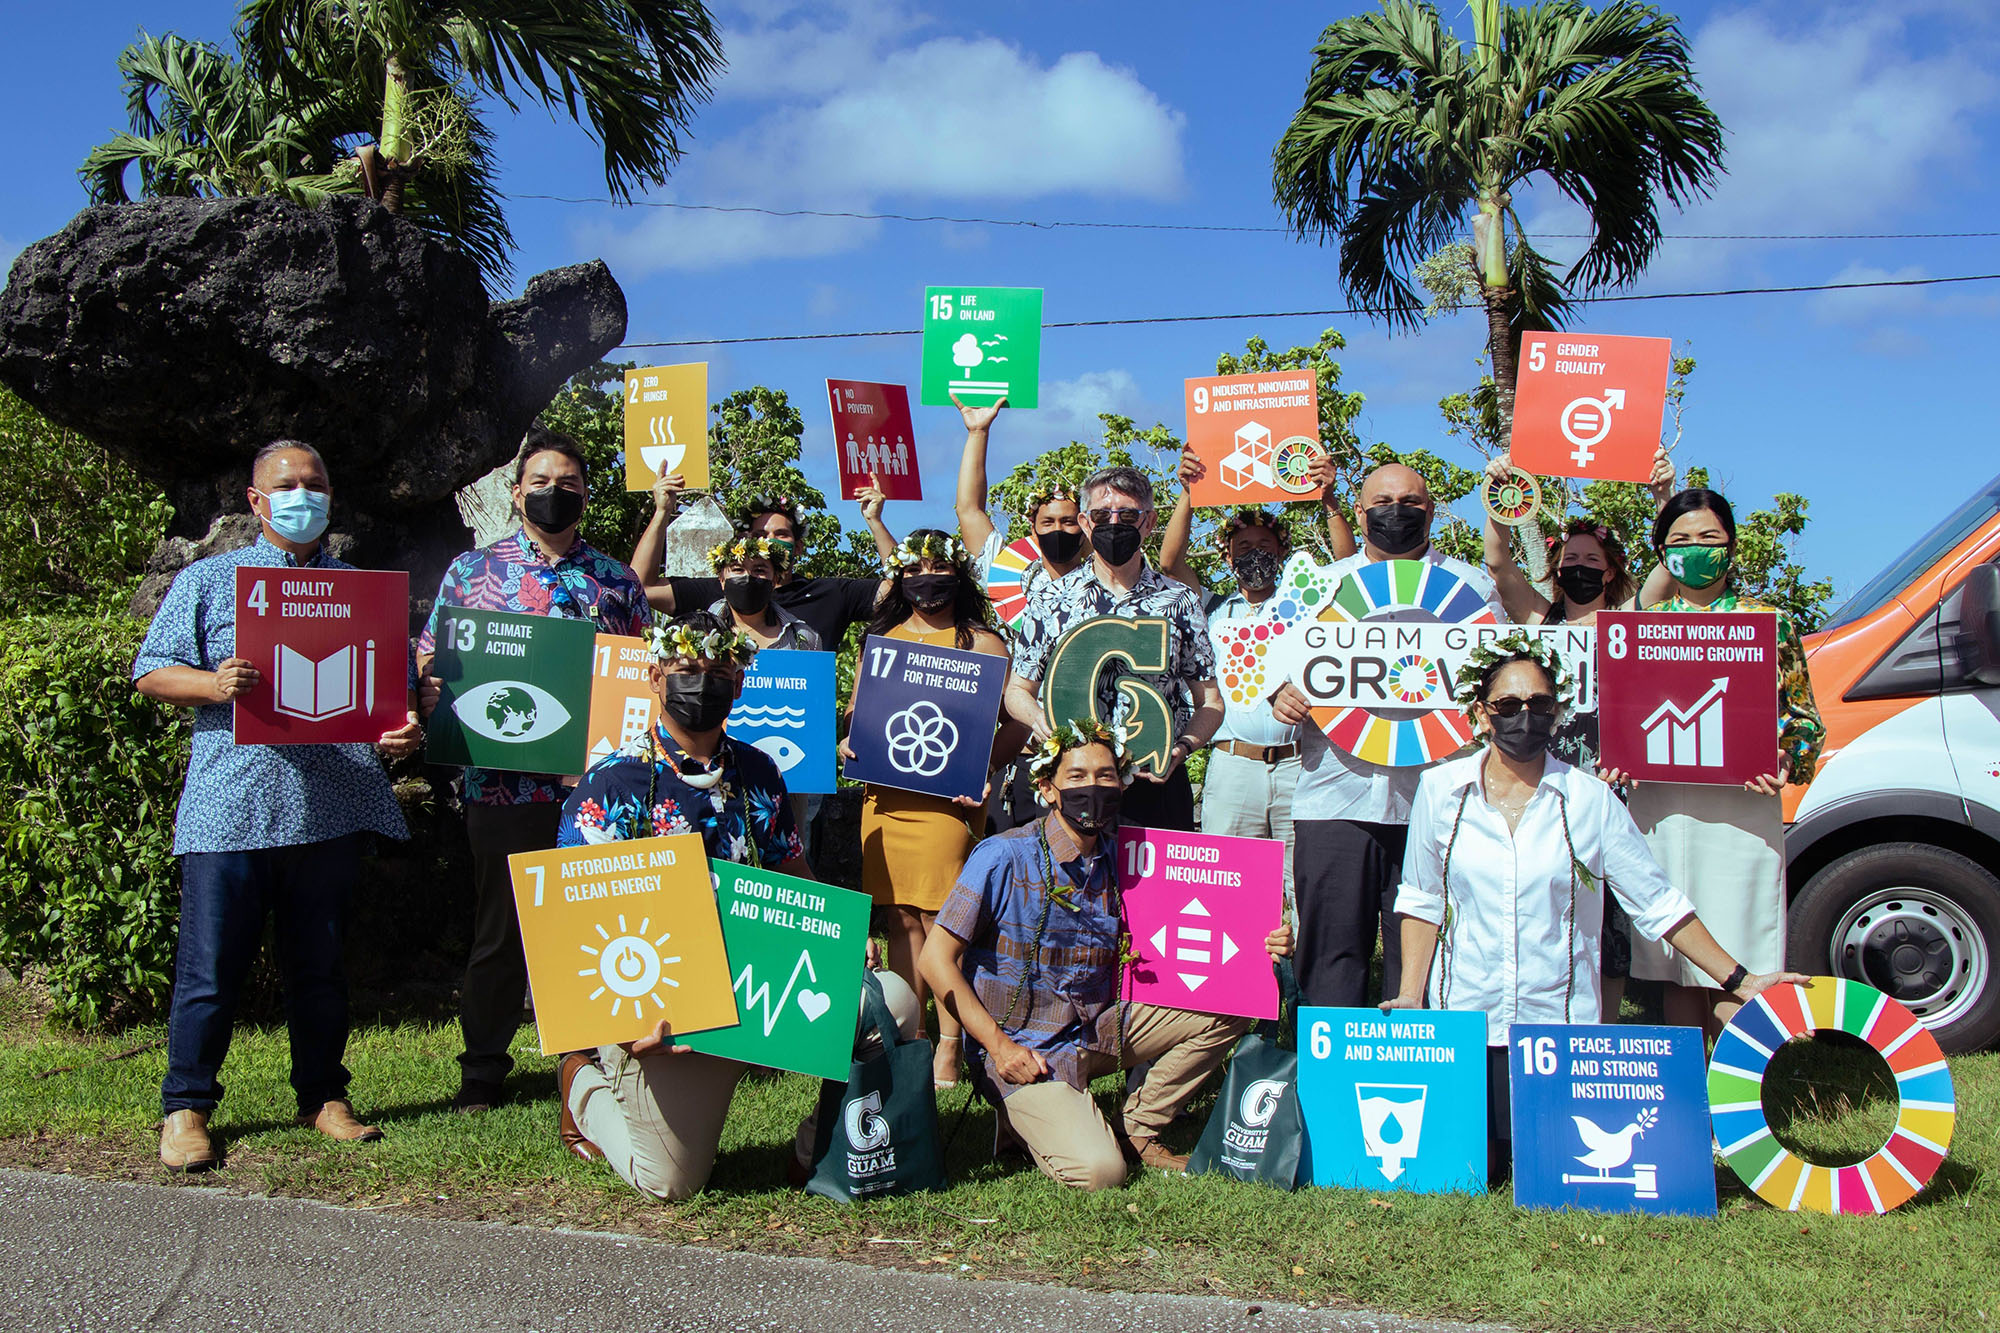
(974,524)
(872,500)
(1180,525)
(1339,536)
(651,552)
(1518,597)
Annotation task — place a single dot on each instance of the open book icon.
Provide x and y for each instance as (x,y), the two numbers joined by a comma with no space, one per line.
(327,688)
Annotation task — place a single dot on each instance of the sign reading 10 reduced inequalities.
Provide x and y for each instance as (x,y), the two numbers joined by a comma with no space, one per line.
(923,717)
(514,691)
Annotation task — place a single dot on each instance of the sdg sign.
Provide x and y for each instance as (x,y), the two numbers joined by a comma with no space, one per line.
(1395,1100)
(1258,434)
(983,344)
(515,692)
(923,717)
(786,710)
(1590,405)
(332,646)
(1689,697)
(1199,906)
(666,425)
(873,437)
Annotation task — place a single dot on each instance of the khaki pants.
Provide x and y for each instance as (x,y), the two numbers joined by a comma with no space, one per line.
(1247,798)
(1065,1131)
(658,1119)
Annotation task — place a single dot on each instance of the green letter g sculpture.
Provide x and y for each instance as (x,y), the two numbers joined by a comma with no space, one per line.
(1080,657)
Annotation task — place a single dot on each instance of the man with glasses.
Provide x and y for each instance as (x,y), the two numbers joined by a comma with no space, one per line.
(1117,518)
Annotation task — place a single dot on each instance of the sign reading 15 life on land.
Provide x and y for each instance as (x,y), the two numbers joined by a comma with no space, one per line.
(923,717)
(514,692)
(332,648)
(983,344)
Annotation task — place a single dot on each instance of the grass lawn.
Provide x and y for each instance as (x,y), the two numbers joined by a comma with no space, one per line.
(1928,1266)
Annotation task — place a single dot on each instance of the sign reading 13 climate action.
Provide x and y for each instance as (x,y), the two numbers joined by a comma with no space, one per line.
(515,692)
(332,649)
(983,344)
(923,717)
(1396,1100)
(796,950)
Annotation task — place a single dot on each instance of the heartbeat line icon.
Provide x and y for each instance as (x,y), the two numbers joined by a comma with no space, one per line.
(756,995)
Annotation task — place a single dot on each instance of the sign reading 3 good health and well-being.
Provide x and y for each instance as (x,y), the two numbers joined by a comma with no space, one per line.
(796,950)
(1590,405)
(619,936)
(874,437)
(1395,1101)
(1199,906)
(983,344)
(1611,1117)
(1258,434)
(515,691)
(332,647)
(787,711)
(666,425)
(924,716)
(1688,696)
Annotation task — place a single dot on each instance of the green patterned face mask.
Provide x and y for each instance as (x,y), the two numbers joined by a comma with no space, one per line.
(1697,566)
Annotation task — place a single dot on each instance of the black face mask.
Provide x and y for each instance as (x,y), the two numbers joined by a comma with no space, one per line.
(1257,569)
(1580,583)
(928,592)
(1524,735)
(1398,529)
(1090,809)
(1116,542)
(747,593)
(699,703)
(552,508)
(1060,546)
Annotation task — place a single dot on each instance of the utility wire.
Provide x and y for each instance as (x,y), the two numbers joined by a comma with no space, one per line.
(1350,310)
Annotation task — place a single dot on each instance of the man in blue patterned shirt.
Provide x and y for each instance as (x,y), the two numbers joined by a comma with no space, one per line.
(260,828)
(544,569)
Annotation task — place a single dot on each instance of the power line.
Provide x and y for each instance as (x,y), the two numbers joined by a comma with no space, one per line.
(1350,310)
(1077,224)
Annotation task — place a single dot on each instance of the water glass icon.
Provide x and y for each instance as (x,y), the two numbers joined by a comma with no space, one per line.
(1392,1122)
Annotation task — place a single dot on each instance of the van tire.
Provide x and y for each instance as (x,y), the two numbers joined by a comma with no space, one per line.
(1935,890)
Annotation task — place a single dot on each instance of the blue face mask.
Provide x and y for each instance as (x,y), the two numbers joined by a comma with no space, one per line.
(297,515)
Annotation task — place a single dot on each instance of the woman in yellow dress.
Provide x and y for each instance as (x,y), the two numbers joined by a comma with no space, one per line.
(913,845)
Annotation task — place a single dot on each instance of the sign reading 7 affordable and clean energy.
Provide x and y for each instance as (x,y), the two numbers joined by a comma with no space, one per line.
(1590,405)
(332,646)
(666,425)
(923,717)
(982,343)
(796,952)
(515,691)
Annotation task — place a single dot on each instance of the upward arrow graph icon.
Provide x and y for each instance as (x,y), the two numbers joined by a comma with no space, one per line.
(1687,736)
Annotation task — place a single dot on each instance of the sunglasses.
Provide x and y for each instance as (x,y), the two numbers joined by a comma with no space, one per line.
(1541,705)
(1106,517)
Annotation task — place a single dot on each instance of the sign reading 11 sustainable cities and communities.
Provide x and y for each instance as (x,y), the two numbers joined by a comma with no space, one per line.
(514,691)
(873,437)
(666,425)
(1258,434)
(923,717)
(1688,697)
(1199,906)
(332,647)
(1396,1100)
(1590,405)
(983,344)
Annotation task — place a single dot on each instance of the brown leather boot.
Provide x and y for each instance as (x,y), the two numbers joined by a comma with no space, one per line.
(184,1143)
(1153,1155)
(566,1127)
(335,1119)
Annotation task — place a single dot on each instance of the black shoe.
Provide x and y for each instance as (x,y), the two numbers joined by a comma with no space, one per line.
(476,1095)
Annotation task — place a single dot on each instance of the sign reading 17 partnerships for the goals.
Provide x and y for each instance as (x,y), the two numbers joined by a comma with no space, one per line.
(982,344)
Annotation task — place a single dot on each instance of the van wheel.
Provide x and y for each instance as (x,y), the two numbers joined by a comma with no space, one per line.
(1919,923)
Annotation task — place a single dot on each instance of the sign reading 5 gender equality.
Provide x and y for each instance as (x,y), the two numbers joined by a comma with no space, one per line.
(514,691)
(786,710)
(332,647)
(924,716)
(1395,1101)
(1199,906)
(1611,1118)
(795,958)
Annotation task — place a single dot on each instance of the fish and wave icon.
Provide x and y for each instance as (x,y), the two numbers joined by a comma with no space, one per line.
(785,752)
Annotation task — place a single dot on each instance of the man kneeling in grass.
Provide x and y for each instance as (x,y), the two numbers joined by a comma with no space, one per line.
(653,1109)
(1028,957)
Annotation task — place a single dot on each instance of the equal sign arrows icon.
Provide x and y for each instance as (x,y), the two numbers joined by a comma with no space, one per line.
(1194,942)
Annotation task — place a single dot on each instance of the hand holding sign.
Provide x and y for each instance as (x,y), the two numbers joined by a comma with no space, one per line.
(924,717)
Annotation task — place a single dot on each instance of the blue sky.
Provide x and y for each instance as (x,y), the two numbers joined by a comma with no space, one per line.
(1841,118)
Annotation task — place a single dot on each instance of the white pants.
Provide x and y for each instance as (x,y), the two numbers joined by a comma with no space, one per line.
(1246,798)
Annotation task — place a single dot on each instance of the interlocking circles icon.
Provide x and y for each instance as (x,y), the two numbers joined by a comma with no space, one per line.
(921,739)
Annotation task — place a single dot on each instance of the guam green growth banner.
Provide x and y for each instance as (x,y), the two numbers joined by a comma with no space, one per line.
(515,692)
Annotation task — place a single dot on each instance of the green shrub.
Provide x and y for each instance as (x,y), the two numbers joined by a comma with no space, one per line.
(89,889)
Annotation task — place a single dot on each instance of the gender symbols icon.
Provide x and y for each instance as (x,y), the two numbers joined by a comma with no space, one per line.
(921,739)
(1586,421)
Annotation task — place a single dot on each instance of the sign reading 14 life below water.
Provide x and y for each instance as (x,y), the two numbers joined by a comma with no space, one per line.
(983,344)
(1395,1101)
(787,710)
(515,692)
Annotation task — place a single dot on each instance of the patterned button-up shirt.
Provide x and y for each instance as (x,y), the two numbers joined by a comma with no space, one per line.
(1080,595)
(745,817)
(513,575)
(794,635)
(1051,987)
(1800,732)
(244,797)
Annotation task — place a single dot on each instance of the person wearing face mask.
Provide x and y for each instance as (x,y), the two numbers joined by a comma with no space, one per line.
(1512,858)
(1051,512)
(260,827)
(1349,816)
(749,568)
(1027,958)
(1724,847)
(913,845)
(544,568)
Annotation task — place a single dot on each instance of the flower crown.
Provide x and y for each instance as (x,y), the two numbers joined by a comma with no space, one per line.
(1578,527)
(913,551)
(740,549)
(1046,494)
(1071,734)
(1252,518)
(1518,643)
(670,642)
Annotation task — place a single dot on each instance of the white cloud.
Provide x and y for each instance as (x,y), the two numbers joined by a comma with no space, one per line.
(785,50)
(1870,304)
(676,239)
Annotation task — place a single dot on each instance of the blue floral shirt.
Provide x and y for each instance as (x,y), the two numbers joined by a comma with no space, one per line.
(746,817)
(240,798)
(513,575)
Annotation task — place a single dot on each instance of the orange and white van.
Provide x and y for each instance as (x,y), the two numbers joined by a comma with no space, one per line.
(1893,849)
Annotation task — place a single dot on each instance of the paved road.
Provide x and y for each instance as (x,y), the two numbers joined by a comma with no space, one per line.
(88,1255)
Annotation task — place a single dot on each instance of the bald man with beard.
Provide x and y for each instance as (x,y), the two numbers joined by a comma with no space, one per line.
(1350,817)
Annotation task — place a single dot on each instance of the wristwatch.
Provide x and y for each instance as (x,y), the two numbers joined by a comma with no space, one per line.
(1734,979)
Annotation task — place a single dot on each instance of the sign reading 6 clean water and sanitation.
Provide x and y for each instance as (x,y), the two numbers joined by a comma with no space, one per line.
(1395,1101)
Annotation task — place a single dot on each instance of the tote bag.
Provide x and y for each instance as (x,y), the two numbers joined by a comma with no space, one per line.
(878,1134)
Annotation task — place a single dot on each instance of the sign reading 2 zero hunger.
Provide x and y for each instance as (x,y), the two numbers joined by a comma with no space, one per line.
(666,425)
(332,647)
(924,716)
(1688,696)
(1590,405)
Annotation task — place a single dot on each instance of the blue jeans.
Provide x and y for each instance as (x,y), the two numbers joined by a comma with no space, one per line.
(224,899)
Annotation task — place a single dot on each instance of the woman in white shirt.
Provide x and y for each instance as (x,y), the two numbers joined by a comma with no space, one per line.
(1510,853)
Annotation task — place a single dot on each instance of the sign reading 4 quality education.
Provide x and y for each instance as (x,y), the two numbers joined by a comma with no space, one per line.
(617,937)
(666,425)
(1258,434)
(787,710)
(1688,696)
(796,952)
(1590,405)
(983,344)
(1613,1118)
(333,648)
(874,437)
(924,716)
(1396,1100)
(515,692)
(1199,906)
